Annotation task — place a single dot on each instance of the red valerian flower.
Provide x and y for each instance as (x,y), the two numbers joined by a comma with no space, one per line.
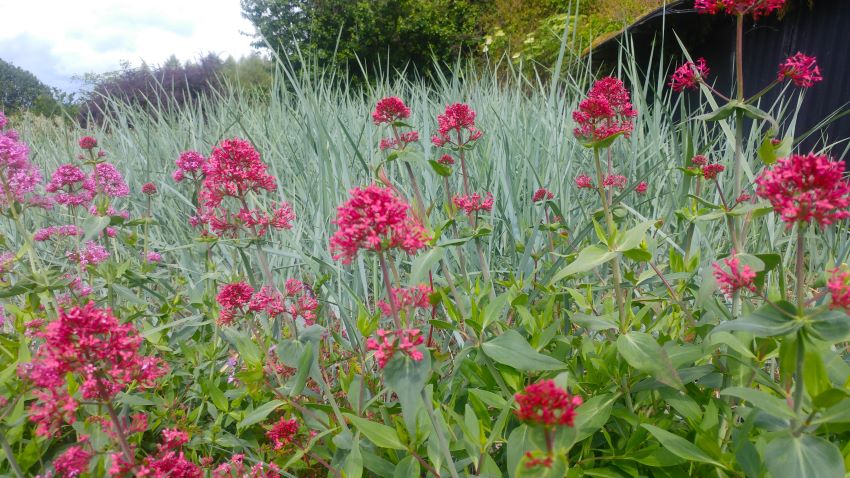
(168,461)
(417,297)
(605,113)
(283,432)
(801,69)
(234,169)
(839,289)
(72,463)
(446,159)
(615,181)
(189,163)
(806,188)
(389,110)
(233,298)
(48,233)
(87,142)
(642,187)
(108,181)
(699,160)
(689,75)
(583,181)
(104,355)
(375,219)
(235,468)
(733,277)
(544,403)
(473,203)
(542,194)
(149,189)
(758,8)
(71,186)
(389,342)
(93,253)
(456,126)
(18,176)
(710,171)
(403,140)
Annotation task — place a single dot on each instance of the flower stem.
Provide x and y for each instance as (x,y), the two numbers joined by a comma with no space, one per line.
(609,220)
(10,456)
(387,283)
(801,304)
(119,432)
(441,438)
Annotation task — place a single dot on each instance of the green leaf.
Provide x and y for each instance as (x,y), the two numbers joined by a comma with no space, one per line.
(443,170)
(305,363)
(766,321)
(593,414)
(260,413)
(353,467)
(588,258)
(93,225)
(407,378)
(633,237)
(379,434)
(681,447)
(831,326)
(805,456)
(761,401)
(642,352)
(513,350)
(406,468)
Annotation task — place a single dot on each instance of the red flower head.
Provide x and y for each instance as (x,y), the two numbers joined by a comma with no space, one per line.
(87,142)
(456,126)
(17,173)
(547,404)
(417,297)
(388,343)
(839,289)
(70,186)
(189,163)
(583,181)
(803,70)
(102,353)
(614,181)
(72,463)
(699,160)
(108,180)
(283,432)
(757,8)
(542,194)
(642,187)
(473,203)
(149,189)
(389,110)
(446,159)
(733,277)
(606,112)
(234,169)
(689,75)
(233,298)
(375,219)
(806,188)
(710,171)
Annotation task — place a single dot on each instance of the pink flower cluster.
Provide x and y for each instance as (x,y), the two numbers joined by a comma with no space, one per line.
(473,203)
(710,171)
(456,126)
(233,170)
(235,468)
(375,219)
(47,233)
(168,461)
(102,353)
(733,277)
(87,142)
(689,75)
(806,188)
(615,181)
(191,164)
(417,297)
(839,289)
(642,187)
(71,186)
(447,160)
(108,181)
(542,194)
(403,140)
(239,298)
(544,403)
(18,176)
(758,8)
(605,113)
(92,253)
(389,110)
(583,181)
(73,462)
(283,433)
(389,342)
(801,69)
(280,218)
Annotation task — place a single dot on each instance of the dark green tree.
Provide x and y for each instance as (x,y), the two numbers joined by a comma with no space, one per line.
(375,33)
(21,90)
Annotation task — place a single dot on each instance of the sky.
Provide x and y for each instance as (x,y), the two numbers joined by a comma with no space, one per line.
(59,39)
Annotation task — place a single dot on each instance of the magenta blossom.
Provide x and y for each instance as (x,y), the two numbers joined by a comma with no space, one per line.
(456,126)
(689,75)
(606,113)
(389,110)
(801,69)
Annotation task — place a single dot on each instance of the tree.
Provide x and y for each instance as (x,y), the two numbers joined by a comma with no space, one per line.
(21,90)
(346,33)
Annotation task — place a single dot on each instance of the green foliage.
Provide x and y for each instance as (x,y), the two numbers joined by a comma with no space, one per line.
(21,90)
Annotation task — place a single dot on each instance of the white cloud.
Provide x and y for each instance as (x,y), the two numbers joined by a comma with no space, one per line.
(58,39)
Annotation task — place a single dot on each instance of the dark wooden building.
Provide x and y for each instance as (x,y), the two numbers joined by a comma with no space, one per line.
(819,28)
